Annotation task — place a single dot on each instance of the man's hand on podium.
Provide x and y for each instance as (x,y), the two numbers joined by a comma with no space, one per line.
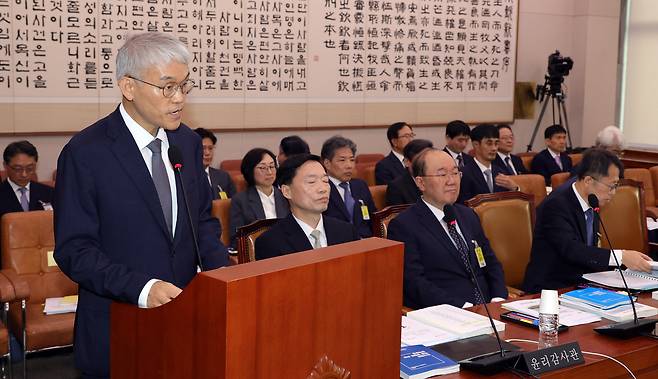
(636,260)
(161,293)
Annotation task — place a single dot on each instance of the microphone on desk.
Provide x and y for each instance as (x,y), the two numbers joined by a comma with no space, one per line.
(623,329)
(176,160)
(497,360)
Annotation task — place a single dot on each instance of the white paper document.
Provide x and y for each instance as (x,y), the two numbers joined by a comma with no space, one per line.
(456,320)
(635,280)
(418,333)
(567,316)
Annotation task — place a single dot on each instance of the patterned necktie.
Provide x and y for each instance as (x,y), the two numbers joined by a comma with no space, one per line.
(558,161)
(510,168)
(463,252)
(161,180)
(489,178)
(25,204)
(460,162)
(316,238)
(349,200)
(589,226)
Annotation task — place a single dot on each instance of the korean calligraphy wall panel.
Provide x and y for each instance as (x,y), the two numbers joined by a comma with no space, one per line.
(266,63)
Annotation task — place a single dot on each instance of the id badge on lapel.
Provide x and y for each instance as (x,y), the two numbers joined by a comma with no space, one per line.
(479,254)
(365,214)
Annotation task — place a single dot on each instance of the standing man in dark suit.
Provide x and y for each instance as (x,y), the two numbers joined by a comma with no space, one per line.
(457,136)
(553,159)
(221,185)
(121,225)
(565,241)
(349,199)
(304,182)
(481,175)
(509,163)
(392,167)
(403,190)
(435,252)
(18,193)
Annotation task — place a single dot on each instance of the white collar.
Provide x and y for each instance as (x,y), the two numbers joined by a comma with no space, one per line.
(553,153)
(503,156)
(398,156)
(452,153)
(583,203)
(15,186)
(481,166)
(438,213)
(335,181)
(262,195)
(306,227)
(140,135)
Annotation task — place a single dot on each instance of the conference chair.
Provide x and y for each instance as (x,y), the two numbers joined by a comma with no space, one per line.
(624,218)
(230,165)
(381,218)
(576,158)
(7,295)
(643,176)
(508,219)
(247,235)
(221,211)
(526,158)
(369,158)
(532,184)
(27,261)
(559,179)
(378,195)
(238,180)
(366,172)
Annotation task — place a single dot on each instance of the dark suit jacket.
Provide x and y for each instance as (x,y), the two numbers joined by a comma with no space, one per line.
(38,192)
(246,208)
(544,165)
(434,272)
(337,209)
(467,158)
(403,190)
(287,237)
(473,182)
(516,162)
(560,255)
(220,179)
(110,233)
(388,169)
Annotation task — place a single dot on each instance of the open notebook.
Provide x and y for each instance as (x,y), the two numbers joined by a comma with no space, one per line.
(636,280)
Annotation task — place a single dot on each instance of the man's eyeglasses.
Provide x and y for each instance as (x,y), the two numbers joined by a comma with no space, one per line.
(26,169)
(611,187)
(170,89)
(445,175)
(408,135)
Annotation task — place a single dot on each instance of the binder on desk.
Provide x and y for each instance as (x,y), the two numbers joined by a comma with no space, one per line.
(636,280)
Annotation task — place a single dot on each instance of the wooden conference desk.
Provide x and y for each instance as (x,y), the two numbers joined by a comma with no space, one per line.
(640,354)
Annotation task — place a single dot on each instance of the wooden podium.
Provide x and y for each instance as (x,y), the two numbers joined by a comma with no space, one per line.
(275,318)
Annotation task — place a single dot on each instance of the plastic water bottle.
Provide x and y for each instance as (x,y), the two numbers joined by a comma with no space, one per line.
(548,319)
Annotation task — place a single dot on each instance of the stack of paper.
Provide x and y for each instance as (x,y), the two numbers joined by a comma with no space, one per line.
(455,320)
(567,316)
(419,362)
(617,313)
(636,280)
(57,305)
(418,333)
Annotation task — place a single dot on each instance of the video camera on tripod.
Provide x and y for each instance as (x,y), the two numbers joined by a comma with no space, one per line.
(558,68)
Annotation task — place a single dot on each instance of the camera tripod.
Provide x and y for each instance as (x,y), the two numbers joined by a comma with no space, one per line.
(555,97)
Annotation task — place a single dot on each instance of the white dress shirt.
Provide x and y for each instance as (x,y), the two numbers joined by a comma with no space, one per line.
(399,157)
(505,156)
(438,213)
(483,168)
(585,206)
(142,139)
(15,187)
(269,206)
(341,190)
(455,155)
(308,229)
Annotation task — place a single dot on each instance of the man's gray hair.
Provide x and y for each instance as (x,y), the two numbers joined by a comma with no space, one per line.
(334,143)
(144,50)
(610,137)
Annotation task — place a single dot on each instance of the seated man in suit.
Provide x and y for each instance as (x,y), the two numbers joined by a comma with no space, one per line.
(481,175)
(291,145)
(404,190)
(350,199)
(305,184)
(509,163)
(457,136)
(565,241)
(392,167)
(553,159)
(611,138)
(221,185)
(18,193)
(439,256)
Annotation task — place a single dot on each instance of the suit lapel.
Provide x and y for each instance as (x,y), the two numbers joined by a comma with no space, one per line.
(280,203)
(180,200)
(255,203)
(295,235)
(130,158)
(578,214)
(473,170)
(435,229)
(337,201)
(9,194)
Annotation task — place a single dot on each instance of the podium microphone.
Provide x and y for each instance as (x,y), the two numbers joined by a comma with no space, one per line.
(176,159)
(625,329)
(498,360)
